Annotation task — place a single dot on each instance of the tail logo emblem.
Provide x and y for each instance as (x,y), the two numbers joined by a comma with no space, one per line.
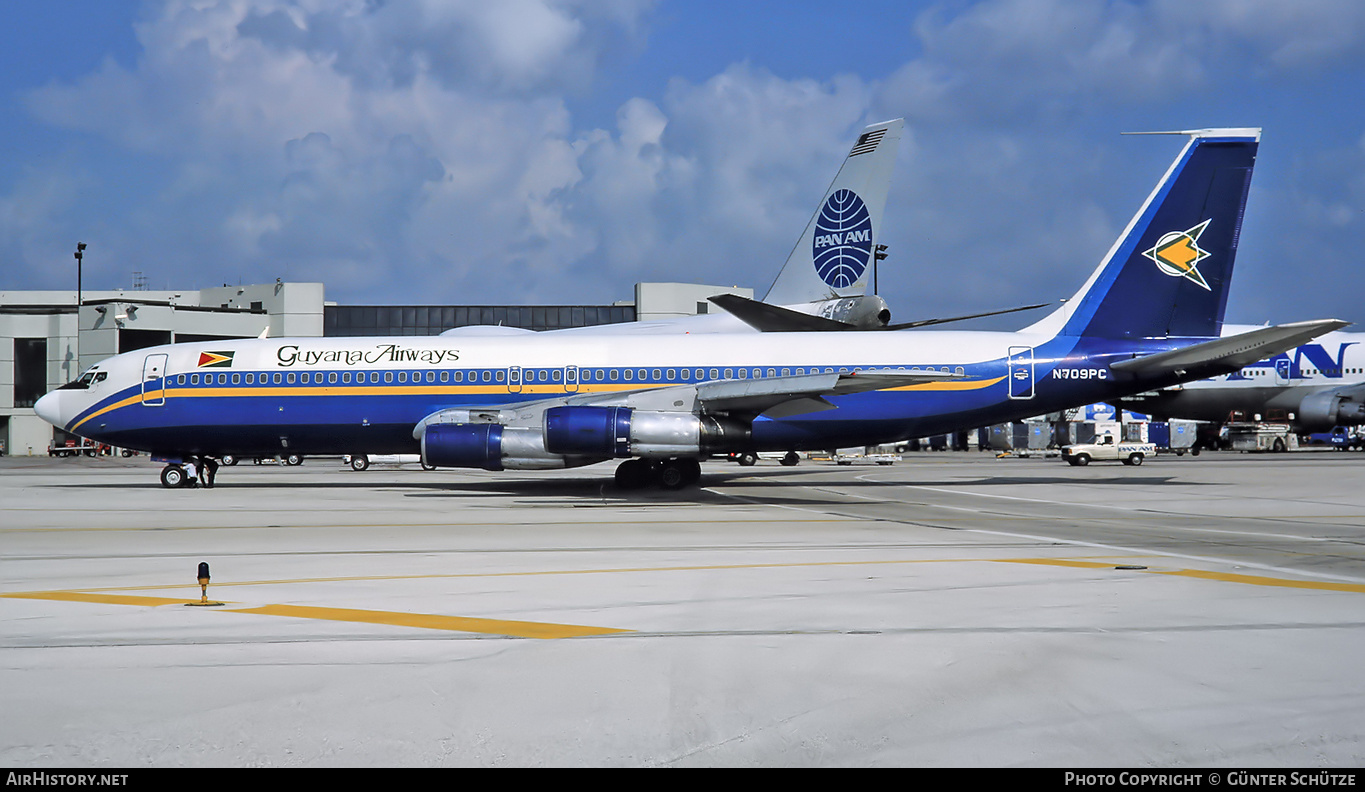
(843,239)
(1178,254)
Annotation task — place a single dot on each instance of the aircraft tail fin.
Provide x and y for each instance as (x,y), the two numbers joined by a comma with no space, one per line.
(834,256)
(1169,272)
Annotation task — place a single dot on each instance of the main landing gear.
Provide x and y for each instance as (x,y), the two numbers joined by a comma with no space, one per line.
(670,474)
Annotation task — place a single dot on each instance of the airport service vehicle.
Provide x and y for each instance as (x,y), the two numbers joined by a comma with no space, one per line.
(861,456)
(76,446)
(1347,438)
(359,462)
(750,458)
(1106,449)
(272,459)
(1148,317)
(1175,437)
(1261,436)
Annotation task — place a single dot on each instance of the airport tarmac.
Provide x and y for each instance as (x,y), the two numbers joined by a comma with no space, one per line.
(951,610)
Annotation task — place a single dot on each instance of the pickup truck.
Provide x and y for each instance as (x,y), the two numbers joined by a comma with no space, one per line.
(1106,449)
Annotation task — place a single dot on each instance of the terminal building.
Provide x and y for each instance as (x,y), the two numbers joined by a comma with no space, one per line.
(46,341)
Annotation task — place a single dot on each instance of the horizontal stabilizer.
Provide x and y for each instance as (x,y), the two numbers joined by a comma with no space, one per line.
(776,319)
(1223,355)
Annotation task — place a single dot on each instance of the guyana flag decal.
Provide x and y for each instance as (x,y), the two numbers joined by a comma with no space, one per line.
(215,359)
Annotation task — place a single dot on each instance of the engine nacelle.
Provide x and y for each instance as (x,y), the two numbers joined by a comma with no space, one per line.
(493,447)
(463,445)
(1324,409)
(588,430)
(623,432)
(867,312)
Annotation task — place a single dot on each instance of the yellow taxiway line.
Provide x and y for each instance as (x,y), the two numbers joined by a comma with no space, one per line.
(528,629)
(428,621)
(1225,577)
(434,621)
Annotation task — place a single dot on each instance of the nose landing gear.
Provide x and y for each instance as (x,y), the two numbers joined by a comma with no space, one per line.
(175,475)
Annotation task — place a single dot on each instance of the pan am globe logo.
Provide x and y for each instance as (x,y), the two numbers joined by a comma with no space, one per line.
(843,239)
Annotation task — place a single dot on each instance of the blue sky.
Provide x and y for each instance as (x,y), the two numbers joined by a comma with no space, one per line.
(547,151)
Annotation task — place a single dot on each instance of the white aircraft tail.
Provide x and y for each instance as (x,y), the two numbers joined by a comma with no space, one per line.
(834,256)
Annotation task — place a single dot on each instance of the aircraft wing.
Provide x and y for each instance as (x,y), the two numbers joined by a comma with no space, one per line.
(779,397)
(772,396)
(775,397)
(1223,355)
(1354,392)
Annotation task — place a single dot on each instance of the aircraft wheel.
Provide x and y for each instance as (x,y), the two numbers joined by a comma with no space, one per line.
(293,459)
(678,473)
(228,459)
(747,459)
(173,476)
(671,475)
(792,459)
(359,462)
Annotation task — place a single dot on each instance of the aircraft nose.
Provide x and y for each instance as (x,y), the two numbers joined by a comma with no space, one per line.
(49,408)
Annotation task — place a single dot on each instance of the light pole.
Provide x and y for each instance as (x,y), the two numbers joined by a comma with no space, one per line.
(80,255)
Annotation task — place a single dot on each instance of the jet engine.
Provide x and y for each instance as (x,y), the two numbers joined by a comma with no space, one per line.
(1321,410)
(493,446)
(623,432)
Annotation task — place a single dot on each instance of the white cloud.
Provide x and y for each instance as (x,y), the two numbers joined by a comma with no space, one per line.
(425,150)
(351,137)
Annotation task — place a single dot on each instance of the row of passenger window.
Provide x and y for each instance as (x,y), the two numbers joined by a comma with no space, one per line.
(518,376)
(343,377)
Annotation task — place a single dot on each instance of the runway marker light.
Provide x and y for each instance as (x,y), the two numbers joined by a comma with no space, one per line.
(203,586)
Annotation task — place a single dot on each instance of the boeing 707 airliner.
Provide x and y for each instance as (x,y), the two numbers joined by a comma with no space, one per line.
(1149,316)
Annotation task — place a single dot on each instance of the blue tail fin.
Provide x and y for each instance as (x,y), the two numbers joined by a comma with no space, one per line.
(1169,272)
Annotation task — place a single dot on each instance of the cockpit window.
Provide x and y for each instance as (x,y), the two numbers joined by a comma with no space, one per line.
(87,379)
